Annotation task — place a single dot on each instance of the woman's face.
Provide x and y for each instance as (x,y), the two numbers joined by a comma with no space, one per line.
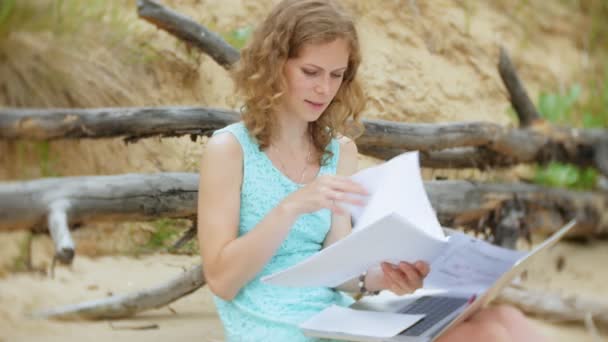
(313,78)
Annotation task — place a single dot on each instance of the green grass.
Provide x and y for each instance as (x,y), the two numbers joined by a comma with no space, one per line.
(21,263)
(571,108)
(47,168)
(165,234)
(60,17)
(566,176)
(238,37)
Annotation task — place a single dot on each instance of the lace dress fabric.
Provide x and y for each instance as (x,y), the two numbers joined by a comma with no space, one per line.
(262,312)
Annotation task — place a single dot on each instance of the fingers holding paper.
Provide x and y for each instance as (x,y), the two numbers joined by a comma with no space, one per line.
(405,277)
(326,192)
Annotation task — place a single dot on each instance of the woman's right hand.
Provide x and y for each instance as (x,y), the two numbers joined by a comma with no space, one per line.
(325,192)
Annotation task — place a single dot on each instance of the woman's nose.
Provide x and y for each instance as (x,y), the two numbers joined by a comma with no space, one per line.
(322,85)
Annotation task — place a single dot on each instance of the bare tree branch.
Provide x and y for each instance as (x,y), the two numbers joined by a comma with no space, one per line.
(524,108)
(189,31)
(122,306)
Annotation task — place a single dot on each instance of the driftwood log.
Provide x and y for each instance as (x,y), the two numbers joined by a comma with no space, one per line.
(554,306)
(445,145)
(127,305)
(27,205)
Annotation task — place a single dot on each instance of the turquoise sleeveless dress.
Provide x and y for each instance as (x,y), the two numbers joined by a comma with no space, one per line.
(262,312)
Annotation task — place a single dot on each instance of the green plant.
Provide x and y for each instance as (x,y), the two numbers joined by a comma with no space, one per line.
(65,18)
(238,37)
(165,231)
(565,175)
(595,109)
(6,8)
(571,109)
(44,155)
(22,262)
(557,108)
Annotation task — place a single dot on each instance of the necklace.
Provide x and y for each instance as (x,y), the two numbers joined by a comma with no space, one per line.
(285,169)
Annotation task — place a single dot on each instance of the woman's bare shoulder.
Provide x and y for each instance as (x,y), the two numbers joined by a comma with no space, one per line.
(224,145)
(347,163)
(348,147)
(223,156)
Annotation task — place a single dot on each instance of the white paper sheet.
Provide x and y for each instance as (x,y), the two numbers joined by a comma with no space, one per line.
(396,186)
(396,224)
(361,323)
(390,239)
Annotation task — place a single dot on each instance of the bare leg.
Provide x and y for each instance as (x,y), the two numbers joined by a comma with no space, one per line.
(499,323)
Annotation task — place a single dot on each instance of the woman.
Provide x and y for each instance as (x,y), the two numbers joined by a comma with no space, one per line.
(271,186)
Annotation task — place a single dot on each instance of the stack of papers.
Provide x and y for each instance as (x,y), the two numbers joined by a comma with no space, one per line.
(398,224)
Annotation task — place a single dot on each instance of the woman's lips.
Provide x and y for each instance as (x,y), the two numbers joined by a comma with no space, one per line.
(315,105)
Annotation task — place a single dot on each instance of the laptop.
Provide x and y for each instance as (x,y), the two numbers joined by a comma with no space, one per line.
(441,309)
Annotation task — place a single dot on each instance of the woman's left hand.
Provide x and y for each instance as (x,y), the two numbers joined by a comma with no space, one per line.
(405,277)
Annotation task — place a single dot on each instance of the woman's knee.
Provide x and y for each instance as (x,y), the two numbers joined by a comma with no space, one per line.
(477,331)
(512,321)
(492,331)
(507,315)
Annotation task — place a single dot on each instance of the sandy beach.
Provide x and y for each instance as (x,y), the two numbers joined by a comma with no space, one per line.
(194,318)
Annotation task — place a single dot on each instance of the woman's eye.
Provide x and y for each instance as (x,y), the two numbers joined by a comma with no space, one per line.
(337,75)
(309,72)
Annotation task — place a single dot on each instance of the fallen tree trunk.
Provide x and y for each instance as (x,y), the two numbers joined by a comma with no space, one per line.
(546,305)
(131,123)
(26,205)
(127,305)
(446,145)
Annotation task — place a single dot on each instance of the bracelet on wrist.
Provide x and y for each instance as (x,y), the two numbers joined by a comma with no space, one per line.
(363,291)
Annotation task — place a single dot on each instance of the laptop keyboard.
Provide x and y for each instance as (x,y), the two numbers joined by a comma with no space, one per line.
(434,308)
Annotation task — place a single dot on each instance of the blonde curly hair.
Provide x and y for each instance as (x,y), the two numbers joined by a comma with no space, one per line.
(259,78)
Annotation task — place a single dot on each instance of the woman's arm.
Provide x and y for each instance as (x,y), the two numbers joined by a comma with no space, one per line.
(341,223)
(229,261)
(347,165)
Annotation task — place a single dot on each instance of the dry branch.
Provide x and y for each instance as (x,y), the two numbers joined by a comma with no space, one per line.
(121,306)
(445,145)
(524,108)
(556,307)
(188,30)
(25,205)
(60,232)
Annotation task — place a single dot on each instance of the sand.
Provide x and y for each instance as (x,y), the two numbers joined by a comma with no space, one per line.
(193,317)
